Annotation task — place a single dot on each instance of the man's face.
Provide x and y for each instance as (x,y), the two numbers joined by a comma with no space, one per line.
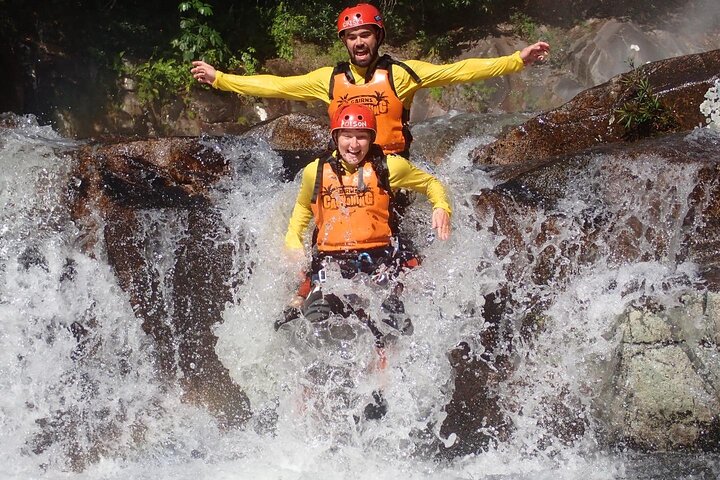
(362,44)
(353,144)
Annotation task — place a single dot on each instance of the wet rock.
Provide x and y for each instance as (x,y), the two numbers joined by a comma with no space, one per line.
(681,223)
(167,172)
(437,138)
(652,200)
(128,197)
(32,257)
(116,186)
(664,393)
(297,138)
(592,118)
(475,421)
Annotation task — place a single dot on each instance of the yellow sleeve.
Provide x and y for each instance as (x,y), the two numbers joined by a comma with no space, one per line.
(403,174)
(311,86)
(468,70)
(302,214)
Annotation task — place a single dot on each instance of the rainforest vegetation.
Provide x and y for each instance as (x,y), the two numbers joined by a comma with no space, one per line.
(77,52)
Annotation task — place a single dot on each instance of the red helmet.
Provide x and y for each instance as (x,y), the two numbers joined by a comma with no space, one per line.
(360,14)
(354,115)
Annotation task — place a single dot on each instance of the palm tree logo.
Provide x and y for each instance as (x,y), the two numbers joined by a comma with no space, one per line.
(344,100)
(329,200)
(380,103)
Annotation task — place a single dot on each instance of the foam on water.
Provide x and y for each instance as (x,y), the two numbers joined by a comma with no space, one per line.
(307,387)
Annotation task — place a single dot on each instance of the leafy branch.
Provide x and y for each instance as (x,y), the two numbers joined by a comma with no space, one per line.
(643,112)
(165,77)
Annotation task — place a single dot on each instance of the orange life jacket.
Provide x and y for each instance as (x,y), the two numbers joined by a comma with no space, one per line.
(378,92)
(352,211)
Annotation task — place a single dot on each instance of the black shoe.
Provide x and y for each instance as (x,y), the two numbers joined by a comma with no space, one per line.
(377,409)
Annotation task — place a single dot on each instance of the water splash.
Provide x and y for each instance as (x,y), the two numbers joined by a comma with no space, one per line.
(86,402)
(711,106)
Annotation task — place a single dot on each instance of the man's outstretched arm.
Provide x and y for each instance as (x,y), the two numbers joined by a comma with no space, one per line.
(311,86)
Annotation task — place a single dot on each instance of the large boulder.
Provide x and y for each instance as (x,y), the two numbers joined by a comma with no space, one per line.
(664,390)
(130,197)
(593,118)
(297,137)
(654,200)
(118,185)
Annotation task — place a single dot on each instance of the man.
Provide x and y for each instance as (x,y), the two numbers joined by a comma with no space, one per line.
(386,85)
(349,194)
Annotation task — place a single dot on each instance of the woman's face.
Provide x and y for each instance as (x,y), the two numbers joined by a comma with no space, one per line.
(353,144)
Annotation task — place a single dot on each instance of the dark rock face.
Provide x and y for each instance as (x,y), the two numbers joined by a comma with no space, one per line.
(591,118)
(168,172)
(298,138)
(167,175)
(652,200)
(171,178)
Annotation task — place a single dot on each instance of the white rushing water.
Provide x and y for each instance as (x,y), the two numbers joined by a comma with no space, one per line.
(88,405)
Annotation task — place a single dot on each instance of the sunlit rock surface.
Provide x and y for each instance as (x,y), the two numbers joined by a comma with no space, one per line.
(592,117)
(664,392)
(298,138)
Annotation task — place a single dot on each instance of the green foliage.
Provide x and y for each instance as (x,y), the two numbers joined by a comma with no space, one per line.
(435,93)
(524,27)
(286,25)
(313,22)
(404,18)
(248,61)
(642,113)
(201,8)
(477,94)
(436,47)
(166,76)
(162,79)
(197,39)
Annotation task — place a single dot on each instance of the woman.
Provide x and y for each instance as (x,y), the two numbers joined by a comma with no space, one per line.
(350,196)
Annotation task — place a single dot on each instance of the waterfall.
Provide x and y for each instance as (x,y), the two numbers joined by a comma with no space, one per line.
(711,106)
(83,397)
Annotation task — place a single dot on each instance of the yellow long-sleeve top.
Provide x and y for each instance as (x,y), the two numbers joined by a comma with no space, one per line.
(402,175)
(315,85)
